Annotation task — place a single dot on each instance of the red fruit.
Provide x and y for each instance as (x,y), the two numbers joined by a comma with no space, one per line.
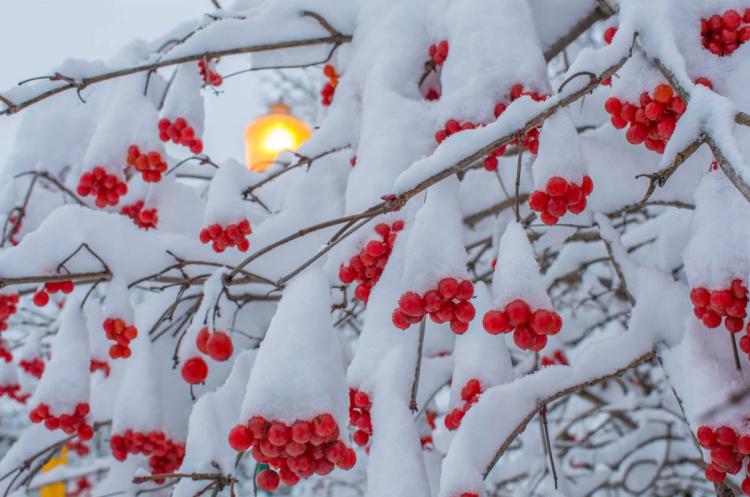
(557,186)
(240,438)
(267,480)
(700,297)
(738,289)
(459,327)
(663,94)
(41,298)
(745,486)
(465,290)
(745,343)
(219,346)
(278,434)
(302,431)
(496,322)
(542,322)
(490,163)
(362,292)
(609,33)
(636,133)
(705,82)
(324,425)
(361,438)
(726,436)
(587,185)
(677,105)
(714,475)
(732,324)
(464,311)
(731,19)
(400,320)
(654,111)
(448,288)
(361,399)
(523,337)
(518,312)
(721,299)
(743,444)
(471,389)
(557,206)
(412,304)
(711,319)
(548,218)
(200,340)
(194,370)
(538,201)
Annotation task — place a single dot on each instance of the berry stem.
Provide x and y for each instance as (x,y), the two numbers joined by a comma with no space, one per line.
(736,354)
(517,207)
(415,385)
(547,444)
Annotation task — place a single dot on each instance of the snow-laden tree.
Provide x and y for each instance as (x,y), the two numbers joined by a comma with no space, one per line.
(513,258)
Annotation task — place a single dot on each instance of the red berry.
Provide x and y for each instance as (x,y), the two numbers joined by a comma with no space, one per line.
(518,312)
(194,370)
(557,186)
(700,297)
(219,346)
(448,288)
(200,340)
(714,475)
(412,304)
(267,480)
(663,94)
(609,33)
(240,438)
(496,322)
(538,201)
(726,436)
(41,298)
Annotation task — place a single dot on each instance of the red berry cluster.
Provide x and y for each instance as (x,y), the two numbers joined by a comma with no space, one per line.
(438,52)
(530,140)
(728,303)
(470,395)
(326,94)
(432,95)
(294,451)
(41,297)
(8,307)
(14,392)
(33,367)
(448,303)
(97,365)
(728,449)
(143,218)
(723,34)
(150,165)
(180,133)
(359,416)
(234,235)
(121,333)
(652,121)
(83,487)
(367,266)
(530,328)
(208,74)
(164,455)
(557,358)
(79,447)
(217,345)
(559,197)
(194,370)
(73,423)
(107,188)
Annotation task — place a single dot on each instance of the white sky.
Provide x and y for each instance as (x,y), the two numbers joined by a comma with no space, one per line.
(39,34)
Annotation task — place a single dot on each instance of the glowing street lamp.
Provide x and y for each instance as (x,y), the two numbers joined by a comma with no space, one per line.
(269,135)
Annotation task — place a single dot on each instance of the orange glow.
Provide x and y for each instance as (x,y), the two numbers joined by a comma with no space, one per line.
(269,135)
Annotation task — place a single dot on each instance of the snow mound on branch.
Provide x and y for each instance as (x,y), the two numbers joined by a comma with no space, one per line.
(517,272)
(721,214)
(396,448)
(184,99)
(65,382)
(299,371)
(138,403)
(435,247)
(560,152)
(478,354)
(225,205)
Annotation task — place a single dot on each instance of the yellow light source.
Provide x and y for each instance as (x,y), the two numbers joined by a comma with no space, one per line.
(54,489)
(269,135)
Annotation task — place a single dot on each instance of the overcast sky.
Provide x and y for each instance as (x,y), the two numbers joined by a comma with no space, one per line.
(39,34)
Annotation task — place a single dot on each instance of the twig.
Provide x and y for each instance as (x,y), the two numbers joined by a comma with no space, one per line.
(418,367)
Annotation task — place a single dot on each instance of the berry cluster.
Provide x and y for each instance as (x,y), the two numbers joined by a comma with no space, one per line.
(97,365)
(557,358)
(194,370)
(470,395)
(164,455)
(326,94)
(531,138)
(107,188)
(530,328)
(14,392)
(143,218)
(208,73)
(217,345)
(723,34)
(559,197)
(727,303)
(73,423)
(438,52)
(180,133)
(367,266)
(296,451)
(41,297)
(150,165)
(449,302)
(8,307)
(234,235)
(121,333)
(33,367)
(728,449)
(359,416)
(652,121)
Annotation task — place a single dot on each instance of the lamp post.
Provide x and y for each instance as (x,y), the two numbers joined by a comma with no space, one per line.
(271,134)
